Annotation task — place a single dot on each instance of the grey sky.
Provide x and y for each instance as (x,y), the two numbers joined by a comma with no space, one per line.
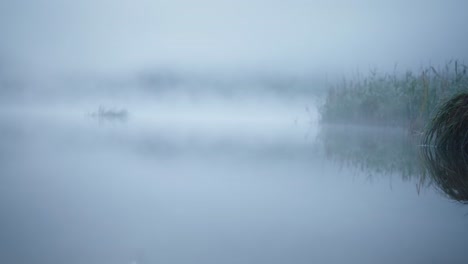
(290,36)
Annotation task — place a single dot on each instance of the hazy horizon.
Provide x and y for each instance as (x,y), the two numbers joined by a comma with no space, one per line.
(50,37)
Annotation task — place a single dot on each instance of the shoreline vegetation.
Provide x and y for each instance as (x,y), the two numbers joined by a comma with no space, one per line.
(431,105)
(406,100)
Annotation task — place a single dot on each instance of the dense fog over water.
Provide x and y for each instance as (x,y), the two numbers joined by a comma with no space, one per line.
(190,132)
(229,181)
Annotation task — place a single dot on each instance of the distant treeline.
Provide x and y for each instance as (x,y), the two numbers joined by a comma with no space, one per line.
(405,100)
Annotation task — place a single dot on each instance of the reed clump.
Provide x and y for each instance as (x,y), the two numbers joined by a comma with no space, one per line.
(445,148)
(404,100)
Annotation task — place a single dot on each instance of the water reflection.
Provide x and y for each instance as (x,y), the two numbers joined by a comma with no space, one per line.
(374,151)
(445,148)
(225,189)
(448,170)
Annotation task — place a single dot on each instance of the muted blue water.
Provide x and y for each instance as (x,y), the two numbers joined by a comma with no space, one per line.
(214,181)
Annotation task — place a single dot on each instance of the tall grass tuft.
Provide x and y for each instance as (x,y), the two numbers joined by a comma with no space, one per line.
(445,148)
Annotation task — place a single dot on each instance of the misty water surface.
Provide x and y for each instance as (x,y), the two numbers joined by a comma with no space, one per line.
(189,177)
(186,132)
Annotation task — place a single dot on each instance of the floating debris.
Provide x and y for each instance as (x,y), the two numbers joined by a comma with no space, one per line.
(110,114)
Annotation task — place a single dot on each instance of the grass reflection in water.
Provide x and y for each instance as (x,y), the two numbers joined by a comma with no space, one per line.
(438,158)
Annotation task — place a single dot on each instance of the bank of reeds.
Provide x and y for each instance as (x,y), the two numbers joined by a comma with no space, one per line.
(406,100)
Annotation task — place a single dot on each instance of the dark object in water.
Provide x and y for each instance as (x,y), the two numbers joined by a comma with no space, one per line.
(110,114)
(445,150)
(449,127)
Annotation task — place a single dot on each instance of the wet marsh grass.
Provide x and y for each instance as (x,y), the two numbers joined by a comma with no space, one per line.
(445,148)
(432,105)
(405,100)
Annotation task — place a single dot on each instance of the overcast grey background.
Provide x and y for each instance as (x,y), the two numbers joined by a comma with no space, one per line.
(54,36)
(212,170)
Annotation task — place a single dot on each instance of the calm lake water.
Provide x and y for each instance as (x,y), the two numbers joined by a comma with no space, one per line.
(183,179)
